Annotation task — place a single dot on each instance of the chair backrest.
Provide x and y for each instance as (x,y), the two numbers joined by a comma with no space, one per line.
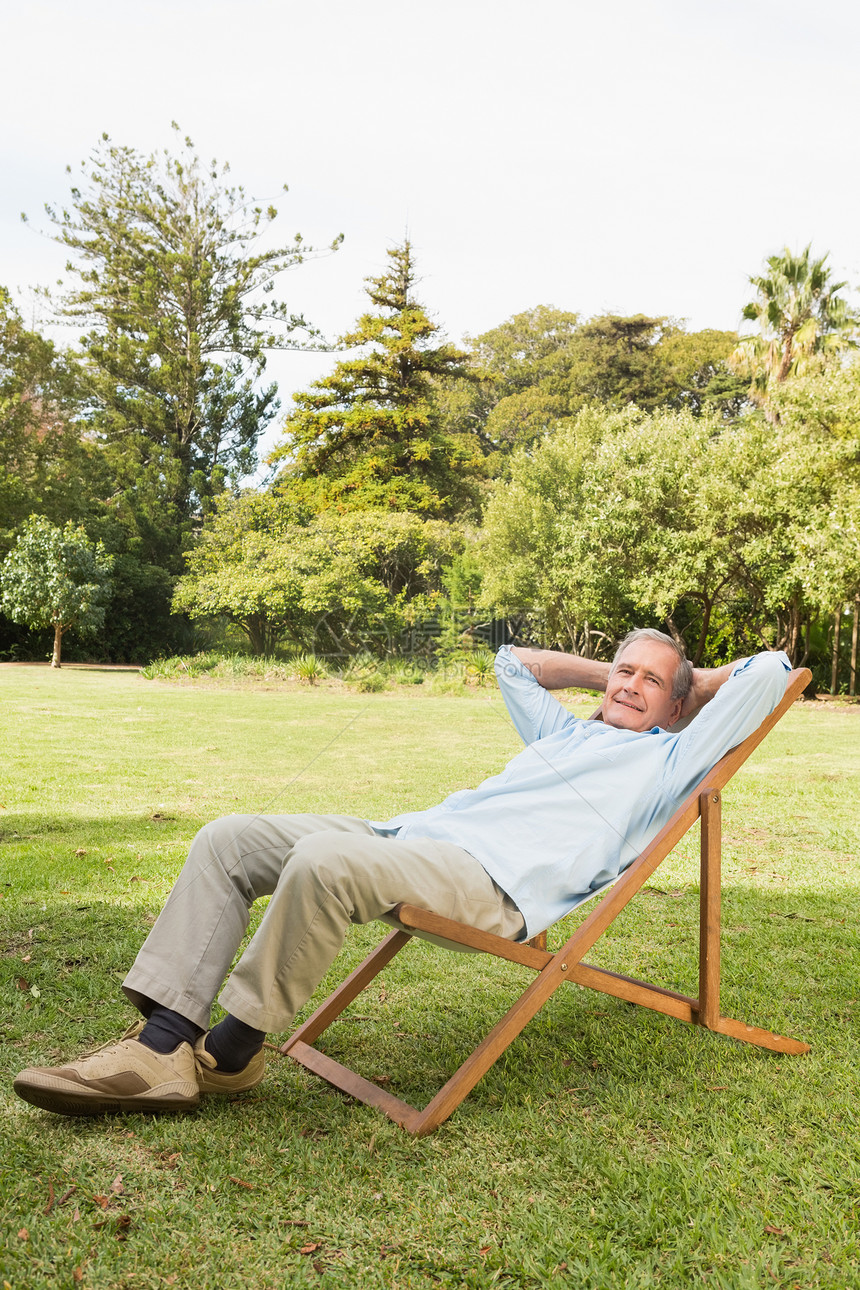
(715,779)
(638,872)
(720,775)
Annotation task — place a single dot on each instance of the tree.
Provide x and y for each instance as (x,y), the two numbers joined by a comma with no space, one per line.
(55,578)
(615,360)
(332,582)
(538,369)
(52,465)
(180,302)
(732,536)
(526,522)
(370,435)
(517,388)
(697,376)
(45,463)
(799,314)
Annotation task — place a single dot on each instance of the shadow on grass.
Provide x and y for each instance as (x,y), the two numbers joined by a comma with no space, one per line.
(793,974)
(63,956)
(104,830)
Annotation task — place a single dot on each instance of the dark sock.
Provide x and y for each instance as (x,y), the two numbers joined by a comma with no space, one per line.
(165,1030)
(233,1043)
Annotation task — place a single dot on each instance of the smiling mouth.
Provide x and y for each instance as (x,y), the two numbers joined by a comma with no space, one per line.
(625,703)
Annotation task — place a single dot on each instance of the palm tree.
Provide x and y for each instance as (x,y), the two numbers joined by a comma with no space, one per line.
(799,314)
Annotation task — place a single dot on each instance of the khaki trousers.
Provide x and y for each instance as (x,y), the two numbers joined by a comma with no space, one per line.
(323,872)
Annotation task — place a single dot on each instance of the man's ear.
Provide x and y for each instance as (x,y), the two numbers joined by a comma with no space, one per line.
(675,713)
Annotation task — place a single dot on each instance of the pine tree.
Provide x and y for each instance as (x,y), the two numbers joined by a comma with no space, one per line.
(180,303)
(371,434)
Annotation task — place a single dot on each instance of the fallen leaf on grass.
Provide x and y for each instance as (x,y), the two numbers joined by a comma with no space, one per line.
(311,1247)
(774,1231)
(104,1201)
(78,1273)
(81,852)
(116,1186)
(23,1234)
(22,984)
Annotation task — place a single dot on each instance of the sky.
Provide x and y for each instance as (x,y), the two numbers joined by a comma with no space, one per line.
(619,156)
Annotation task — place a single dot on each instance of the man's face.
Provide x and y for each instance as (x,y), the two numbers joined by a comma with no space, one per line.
(639,690)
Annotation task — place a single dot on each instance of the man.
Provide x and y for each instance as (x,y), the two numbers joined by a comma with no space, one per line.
(563,819)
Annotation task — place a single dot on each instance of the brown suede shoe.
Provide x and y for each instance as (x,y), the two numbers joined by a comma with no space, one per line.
(211,1080)
(120,1077)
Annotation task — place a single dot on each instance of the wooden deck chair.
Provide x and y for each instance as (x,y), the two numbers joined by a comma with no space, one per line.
(564,965)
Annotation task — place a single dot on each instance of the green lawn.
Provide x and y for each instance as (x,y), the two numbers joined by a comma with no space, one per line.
(610,1147)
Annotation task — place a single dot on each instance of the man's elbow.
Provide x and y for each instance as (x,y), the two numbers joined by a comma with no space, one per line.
(772,669)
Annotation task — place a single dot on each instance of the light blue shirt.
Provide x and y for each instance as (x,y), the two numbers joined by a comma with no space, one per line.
(583,799)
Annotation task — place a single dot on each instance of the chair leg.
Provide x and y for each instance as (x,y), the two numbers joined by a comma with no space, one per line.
(708,1012)
(348,990)
(709,910)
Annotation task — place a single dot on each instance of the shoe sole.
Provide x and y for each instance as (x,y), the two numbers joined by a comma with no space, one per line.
(207,1086)
(55,1095)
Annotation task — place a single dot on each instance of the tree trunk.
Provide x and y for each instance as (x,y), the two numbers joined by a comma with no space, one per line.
(795,626)
(58,646)
(852,676)
(834,675)
(255,626)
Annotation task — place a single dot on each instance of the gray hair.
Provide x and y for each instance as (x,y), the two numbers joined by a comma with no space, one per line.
(683,679)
